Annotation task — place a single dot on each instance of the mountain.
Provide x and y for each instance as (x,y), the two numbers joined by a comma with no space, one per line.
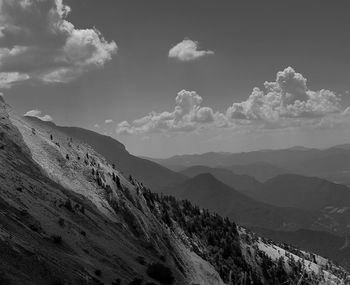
(329,202)
(308,193)
(150,173)
(287,190)
(208,192)
(343,146)
(242,183)
(331,163)
(68,217)
(64,219)
(180,162)
(261,171)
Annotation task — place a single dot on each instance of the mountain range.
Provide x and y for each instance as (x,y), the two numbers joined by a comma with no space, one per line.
(332,163)
(208,192)
(68,215)
(285,190)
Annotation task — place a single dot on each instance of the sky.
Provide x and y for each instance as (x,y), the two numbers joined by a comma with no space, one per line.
(174,77)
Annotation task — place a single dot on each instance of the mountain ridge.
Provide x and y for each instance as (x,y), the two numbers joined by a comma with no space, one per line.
(150,173)
(72,217)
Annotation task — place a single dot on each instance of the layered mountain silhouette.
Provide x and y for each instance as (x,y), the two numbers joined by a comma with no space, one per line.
(208,192)
(331,163)
(287,190)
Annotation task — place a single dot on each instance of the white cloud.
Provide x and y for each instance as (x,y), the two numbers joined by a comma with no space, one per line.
(286,102)
(188,115)
(37,40)
(7,79)
(108,121)
(37,114)
(188,50)
(284,99)
(96,126)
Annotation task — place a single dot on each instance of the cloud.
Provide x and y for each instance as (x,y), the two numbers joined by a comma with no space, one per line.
(188,50)
(108,121)
(8,79)
(96,126)
(187,116)
(286,102)
(37,41)
(286,98)
(37,114)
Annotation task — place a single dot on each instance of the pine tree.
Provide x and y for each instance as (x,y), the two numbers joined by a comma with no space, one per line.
(117,181)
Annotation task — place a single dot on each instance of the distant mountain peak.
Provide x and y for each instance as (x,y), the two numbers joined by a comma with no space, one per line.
(206,177)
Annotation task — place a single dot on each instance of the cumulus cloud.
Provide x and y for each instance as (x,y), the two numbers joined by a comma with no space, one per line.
(287,97)
(37,114)
(7,79)
(285,102)
(38,42)
(188,50)
(188,115)
(108,121)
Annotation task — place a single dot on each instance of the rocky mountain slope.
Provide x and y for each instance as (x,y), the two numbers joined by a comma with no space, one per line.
(150,173)
(68,216)
(66,220)
(326,244)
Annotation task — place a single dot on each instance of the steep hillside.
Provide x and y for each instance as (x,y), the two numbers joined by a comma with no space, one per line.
(67,216)
(323,243)
(150,173)
(216,239)
(62,223)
